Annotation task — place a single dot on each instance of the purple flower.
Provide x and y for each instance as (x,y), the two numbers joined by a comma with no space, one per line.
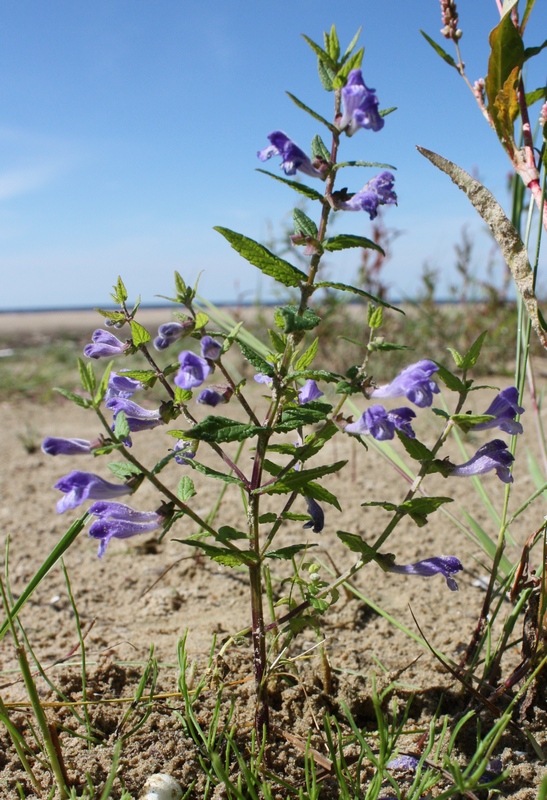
(193,370)
(120,521)
(261,378)
(414,383)
(292,157)
(377,192)
(186,449)
(381,424)
(169,332)
(53,446)
(119,385)
(309,392)
(437,565)
(317,521)
(210,349)
(408,763)
(360,106)
(138,418)
(104,345)
(504,408)
(80,486)
(210,397)
(493,455)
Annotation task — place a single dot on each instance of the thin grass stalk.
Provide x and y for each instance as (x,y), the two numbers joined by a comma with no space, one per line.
(20,746)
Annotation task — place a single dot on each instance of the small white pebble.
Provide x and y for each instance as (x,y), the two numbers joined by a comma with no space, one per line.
(161,787)
(55,599)
(481,583)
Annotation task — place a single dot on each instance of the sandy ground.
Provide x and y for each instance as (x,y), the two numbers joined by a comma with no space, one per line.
(143,592)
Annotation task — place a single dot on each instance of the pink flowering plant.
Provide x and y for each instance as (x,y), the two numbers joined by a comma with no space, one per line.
(190,362)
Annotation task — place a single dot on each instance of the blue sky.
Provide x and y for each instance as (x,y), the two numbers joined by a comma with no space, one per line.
(129,128)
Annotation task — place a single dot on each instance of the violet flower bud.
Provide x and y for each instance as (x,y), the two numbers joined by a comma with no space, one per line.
(504,408)
(407,763)
(436,565)
(309,392)
(138,418)
(210,349)
(493,455)
(119,521)
(120,385)
(360,106)
(381,424)
(186,448)
(80,486)
(210,397)
(377,192)
(53,446)
(104,345)
(317,521)
(160,343)
(261,378)
(193,370)
(414,383)
(292,157)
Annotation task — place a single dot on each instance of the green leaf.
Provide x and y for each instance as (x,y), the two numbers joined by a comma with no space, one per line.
(228,534)
(414,448)
(537,94)
(288,318)
(364,164)
(458,358)
(468,421)
(320,53)
(186,489)
(260,257)
(257,361)
(87,377)
(124,469)
(343,241)
(326,76)
(139,334)
(449,379)
(301,188)
(120,292)
(530,52)
(351,45)
(295,416)
(221,429)
(201,320)
(267,518)
(288,552)
(390,346)
(322,495)
(527,11)
(506,59)
(213,473)
(314,374)
(75,398)
(319,149)
(354,62)
(417,509)
(115,316)
(357,545)
(279,342)
(303,225)
(307,357)
(472,355)
(228,558)
(375,316)
(121,427)
(182,396)
(103,385)
(353,289)
(439,50)
(312,113)
(333,44)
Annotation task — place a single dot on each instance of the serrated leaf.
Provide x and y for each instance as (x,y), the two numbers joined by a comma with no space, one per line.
(139,334)
(458,358)
(288,318)
(123,469)
(146,376)
(390,346)
(414,448)
(213,473)
(120,292)
(103,385)
(449,379)
(263,259)
(511,245)
(343,164)
(375,316)
(344,241)
(419,507)
(182,395)
(354,290)
(297,481)
(228,558)
(326,76)
(75,398)
(301,188)
(468,421)
(288,552)
(186,489)
(221,429)
(87,377)
(228,534)
(303,224)
(439,50)
(230,339)
(320,53)
(357,545)
(333,46)
(354,62)
(121,427)
(278,341)
(257,361)
(313,113)
(472,355)
(314,374)
(308,414)
(319,149)
(201,320)
(307,357)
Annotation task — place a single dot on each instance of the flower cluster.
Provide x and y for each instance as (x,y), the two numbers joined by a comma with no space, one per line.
(360,106)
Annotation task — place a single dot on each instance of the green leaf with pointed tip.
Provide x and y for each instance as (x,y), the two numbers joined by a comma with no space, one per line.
(312,113)
(312,489)
(115,316)
(326,76)
(390,346)
(231,337)
(417,509)
(139,334)
(228,534)
(414,448)
(257,361)
(319,149)
(353,62)
(351,45)
(186,489)
(123,469)
(375,316)
(458,358)
(288,318)
(182,395)
(527,11)
(530,52)
(314,374)
(439,50)
(103,385)
(320,53)
(228,558)
(343,287)
(384,112)
(293,417)
(263,259)
(212,473)
(278,341)
(221,429)
(87,377)
(297,480)
(120,292)
(312,194)
(506,56)
(288,552)
(75,398)
(307,357)
(303,224)
(344,241)
(121,428)
(333,45)
(363,164)
(357,545)
(472,355)
(537,94)
(449,379)
(201,320)
(468,421)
